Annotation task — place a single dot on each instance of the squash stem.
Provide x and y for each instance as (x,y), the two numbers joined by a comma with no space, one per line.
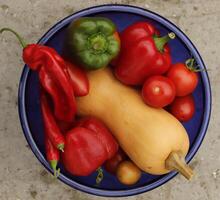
(176,161)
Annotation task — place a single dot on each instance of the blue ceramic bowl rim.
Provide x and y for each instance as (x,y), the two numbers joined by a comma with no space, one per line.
(139,11)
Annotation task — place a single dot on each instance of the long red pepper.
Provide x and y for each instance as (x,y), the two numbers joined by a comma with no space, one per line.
(52,154)
(54,76)
(53,132)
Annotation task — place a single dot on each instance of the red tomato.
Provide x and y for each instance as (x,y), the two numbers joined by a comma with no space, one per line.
(79,80)
(183,108)
(158,91)
(111,165)
(184,79)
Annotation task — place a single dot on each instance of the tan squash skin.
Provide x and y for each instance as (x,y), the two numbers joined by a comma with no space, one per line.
(146,134)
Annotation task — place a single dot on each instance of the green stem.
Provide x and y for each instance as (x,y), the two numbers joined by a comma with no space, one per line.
(53,164)
(190,63)
(21,40)
(60,147)
(161,41)
(100,176)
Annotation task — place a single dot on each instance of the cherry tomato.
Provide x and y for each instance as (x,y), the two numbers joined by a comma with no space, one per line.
(183,108)
(128,173)
(112,164)
(158,91)
(185,79)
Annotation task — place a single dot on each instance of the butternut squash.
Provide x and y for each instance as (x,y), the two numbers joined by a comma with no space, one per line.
(153,139)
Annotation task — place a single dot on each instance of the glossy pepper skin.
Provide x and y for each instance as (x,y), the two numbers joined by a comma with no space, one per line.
(53,76)
(84,153)
(79,79)
(103,134)
(93,42)
(143,53)
(50,126)
(88,146)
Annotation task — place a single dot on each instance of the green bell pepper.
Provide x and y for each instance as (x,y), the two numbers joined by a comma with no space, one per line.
(93,42)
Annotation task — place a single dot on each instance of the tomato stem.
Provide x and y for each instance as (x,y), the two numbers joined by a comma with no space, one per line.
(20,39)
(190,64)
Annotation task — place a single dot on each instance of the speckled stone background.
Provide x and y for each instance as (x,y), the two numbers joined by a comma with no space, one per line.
(21,175)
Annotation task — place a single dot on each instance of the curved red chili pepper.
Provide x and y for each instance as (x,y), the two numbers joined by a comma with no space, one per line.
(50,125)
(54,76)
(48,62)
(52,154)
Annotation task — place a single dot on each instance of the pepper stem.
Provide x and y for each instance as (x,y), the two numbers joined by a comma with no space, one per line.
(175,161)
(99,176)
(161,41)
(21,40)
(60,147)
(53,164)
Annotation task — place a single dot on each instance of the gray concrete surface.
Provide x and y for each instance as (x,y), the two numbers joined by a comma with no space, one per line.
(21,175)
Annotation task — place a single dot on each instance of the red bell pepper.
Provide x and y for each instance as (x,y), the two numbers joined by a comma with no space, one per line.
(79,80)
(50,126)
(88,146)
(103,134)
(53,75)
(84,152)
(143,53)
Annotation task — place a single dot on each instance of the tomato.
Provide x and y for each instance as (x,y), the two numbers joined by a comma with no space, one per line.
(183,108)
(158,91)
(79,80)
(185,79)
(128,173)
(112,164)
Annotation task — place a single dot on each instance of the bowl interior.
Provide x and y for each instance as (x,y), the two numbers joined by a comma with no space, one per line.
(180,52)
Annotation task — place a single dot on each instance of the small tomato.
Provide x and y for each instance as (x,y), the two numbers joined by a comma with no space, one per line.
(158,91)
(184,77)
(183,108)
(128,173)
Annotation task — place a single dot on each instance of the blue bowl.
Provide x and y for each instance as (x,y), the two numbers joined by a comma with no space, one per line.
(181,49)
